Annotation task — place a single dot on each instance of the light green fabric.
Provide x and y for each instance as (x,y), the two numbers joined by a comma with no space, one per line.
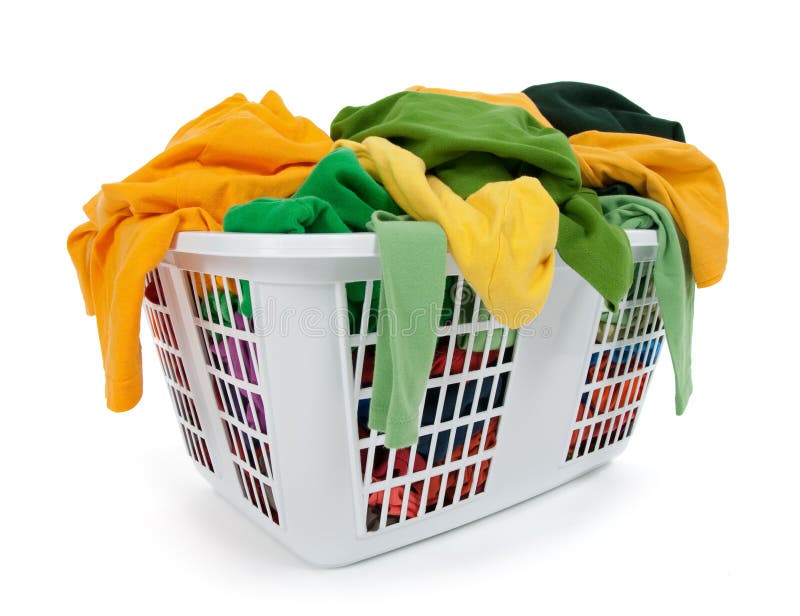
(673,279)
(340,197)
(413,273)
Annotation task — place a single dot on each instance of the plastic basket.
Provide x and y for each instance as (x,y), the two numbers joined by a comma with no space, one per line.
(269,406)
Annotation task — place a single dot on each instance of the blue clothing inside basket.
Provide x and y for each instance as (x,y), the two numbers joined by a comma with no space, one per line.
(649,353)
(448,412)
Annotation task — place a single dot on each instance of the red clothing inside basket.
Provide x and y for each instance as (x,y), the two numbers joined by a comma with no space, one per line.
(607,399)
(439,361)
(400,467)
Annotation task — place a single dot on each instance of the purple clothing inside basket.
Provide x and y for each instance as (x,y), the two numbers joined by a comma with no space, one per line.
(235,354)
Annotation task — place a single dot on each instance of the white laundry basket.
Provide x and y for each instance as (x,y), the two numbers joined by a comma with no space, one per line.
(271,408)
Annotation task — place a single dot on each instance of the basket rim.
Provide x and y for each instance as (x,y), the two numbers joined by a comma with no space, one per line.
(310,246)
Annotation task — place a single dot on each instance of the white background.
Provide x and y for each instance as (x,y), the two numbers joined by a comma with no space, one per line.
(103,513)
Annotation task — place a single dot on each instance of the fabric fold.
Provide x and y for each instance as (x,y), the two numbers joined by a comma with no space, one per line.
(412,288)
(340,197)
(234,152)
(465,144)
(672,276)
(502,237)
(622,149)
(514,99)
(676,175)
(575,107)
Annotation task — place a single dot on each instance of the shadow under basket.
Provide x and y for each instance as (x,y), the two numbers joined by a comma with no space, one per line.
(272,398)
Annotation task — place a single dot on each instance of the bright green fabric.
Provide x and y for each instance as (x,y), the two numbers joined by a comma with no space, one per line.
(355,196)
(672,274)
(413,274)
(337,197)
(340,197)
(293,215)
(468,143)
(599,252)
(215,309)
(341,181)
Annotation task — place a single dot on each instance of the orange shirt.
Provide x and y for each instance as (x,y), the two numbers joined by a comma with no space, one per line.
(233,153)
(675,174)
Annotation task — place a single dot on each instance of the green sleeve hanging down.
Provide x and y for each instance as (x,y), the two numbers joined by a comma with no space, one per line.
(412,269)
(340,197)
(672,274)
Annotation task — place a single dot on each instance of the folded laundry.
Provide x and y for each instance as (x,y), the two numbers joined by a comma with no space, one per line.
(233,152)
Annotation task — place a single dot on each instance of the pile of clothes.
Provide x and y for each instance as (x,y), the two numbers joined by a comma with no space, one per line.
(502,182)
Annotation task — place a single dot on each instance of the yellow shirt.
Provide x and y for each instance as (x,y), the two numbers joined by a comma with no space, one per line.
(503,236)
(232,153)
